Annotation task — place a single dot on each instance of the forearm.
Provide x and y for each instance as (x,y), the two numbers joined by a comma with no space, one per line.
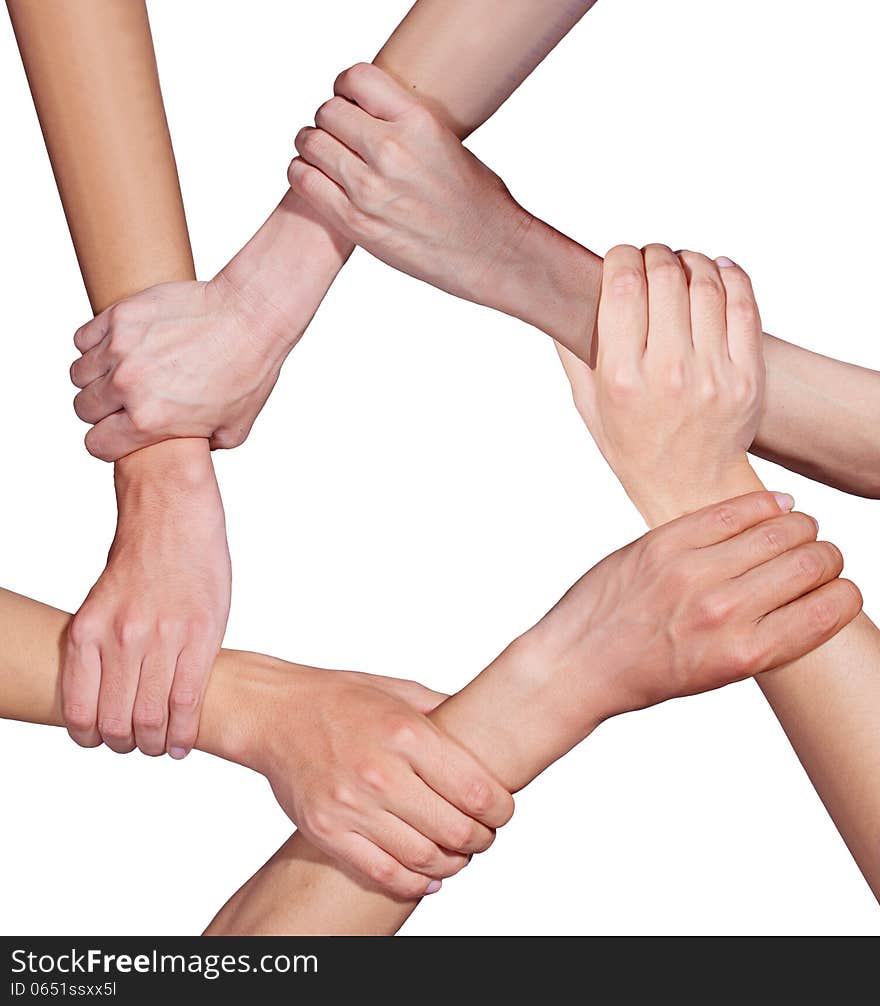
(508,716)
(828,704)
(93,77)
(284,271)
(821,418)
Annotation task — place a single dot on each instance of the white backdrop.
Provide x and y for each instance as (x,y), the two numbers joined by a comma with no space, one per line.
(419,488)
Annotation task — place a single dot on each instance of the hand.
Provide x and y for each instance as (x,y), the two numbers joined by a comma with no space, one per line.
(382,170)
(140,647)
(719,595)
(676,394)
(178,360)
(358,767)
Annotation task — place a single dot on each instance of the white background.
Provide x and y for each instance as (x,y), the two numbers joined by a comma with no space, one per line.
(419,488)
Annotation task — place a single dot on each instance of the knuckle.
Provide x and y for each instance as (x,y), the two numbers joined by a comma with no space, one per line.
(460,835)
(746,659)
(423,856)
(318,823)
(149,716)
(124,377)
(78,716)
(114,729)
(372,777)
(675,376)
(714,609)
(810,564)
(343,795)
(725,517)
(708,389)
(389,155)
(366,189)
(708,287)
(479,796)
(741,307)
(662,267)
(184,700)
(771,539)
(627,281)
(401,734)
(621,382)
(383,873)
(84,629)
(852,599)
(129,631)
(823,614)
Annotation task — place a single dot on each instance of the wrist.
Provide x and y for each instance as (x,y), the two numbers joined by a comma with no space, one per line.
(279,278)
(164,470)
(729,479)
(244,692)
(547,280)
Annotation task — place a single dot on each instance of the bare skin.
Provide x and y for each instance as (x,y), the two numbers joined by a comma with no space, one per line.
(139,651)
(680,336)
(205,356)
(643,626)
(141,646)
(596,653)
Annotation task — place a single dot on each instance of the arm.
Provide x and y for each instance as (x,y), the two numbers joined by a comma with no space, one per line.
(675,448)
(153,361)
(452,223)
(163,599)
(594,655)
(322,738)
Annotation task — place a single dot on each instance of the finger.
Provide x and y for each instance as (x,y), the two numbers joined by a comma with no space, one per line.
(185,702)
(381,870)
(799,627)
(350,124)
(461,780)
(787,577)
(115,437)
(762,543)
(622,323)
(89,335)
(745,341)
(669,311)
(97,401)
(120,672)
(413,850)
(324,195)
(424,810)
(150,715)
(722,521)
(707,305)
(375,91)
(331,157)
(90,366)
(80,685)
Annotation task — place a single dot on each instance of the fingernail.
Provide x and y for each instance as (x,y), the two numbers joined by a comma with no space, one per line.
(433,887)
(178,753)
(724,263)
(785,501)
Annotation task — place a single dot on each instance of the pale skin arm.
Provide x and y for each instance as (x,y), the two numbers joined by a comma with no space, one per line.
(151,361)
(402,186)
(594,655)
(537,713)
(828,702)
(163,600)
